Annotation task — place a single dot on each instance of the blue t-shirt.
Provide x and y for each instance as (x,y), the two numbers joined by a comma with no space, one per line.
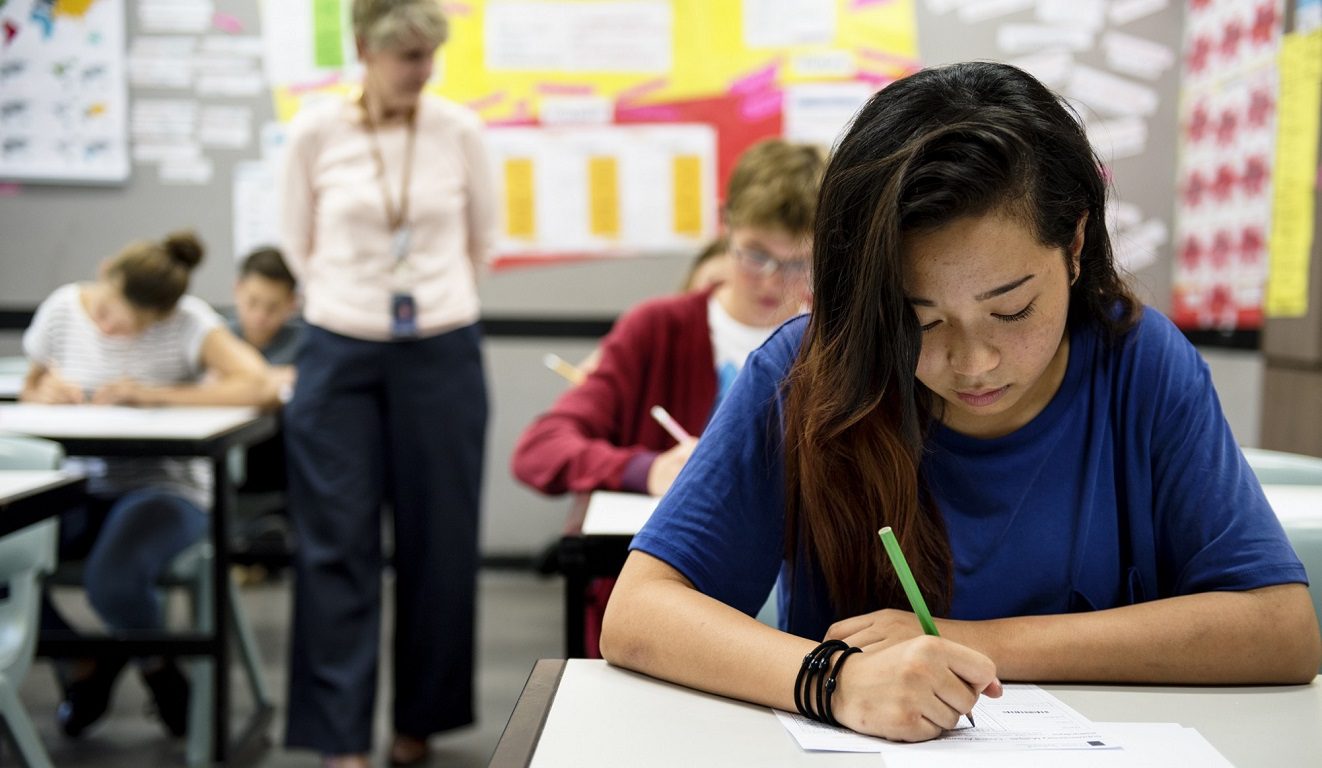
(1127,487)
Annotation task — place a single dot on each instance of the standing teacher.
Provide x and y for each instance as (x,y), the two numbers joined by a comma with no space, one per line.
(388,213)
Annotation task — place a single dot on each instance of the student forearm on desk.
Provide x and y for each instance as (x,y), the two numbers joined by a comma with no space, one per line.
(650,627)
(658,624)
(237,390)
(1263,636)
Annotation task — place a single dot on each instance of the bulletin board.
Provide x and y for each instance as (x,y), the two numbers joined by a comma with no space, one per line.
(63,92)
(1228,131)
(614,124)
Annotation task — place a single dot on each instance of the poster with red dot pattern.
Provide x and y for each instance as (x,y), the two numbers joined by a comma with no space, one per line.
(1224,174)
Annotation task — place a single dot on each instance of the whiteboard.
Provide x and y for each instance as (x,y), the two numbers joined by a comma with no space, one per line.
(63,92)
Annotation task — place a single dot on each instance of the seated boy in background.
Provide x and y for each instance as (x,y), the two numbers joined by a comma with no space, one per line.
(265,316)
(681,352)
(265,309)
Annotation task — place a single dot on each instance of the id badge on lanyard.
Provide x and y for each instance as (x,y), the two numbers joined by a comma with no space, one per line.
(403,309)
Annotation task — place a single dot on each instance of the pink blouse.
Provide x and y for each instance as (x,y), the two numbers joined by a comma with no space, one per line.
(335,233)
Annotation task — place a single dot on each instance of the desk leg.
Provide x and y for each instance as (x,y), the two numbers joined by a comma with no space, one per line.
(576,585)
(220,561)
(575,613)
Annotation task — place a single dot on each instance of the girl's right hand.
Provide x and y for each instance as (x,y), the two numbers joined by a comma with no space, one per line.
(913,690)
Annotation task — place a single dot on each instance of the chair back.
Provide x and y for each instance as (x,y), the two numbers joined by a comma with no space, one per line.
(25,557)
(1281,468)
(23,452)
(13,365)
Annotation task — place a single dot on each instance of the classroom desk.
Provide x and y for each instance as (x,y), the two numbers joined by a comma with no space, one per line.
(11,384)
(1298,507)
(609,716)
(594,544)
(210,432)
(29,496)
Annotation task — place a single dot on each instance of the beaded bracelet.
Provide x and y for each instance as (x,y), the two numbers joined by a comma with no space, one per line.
(811,673)
(829,685)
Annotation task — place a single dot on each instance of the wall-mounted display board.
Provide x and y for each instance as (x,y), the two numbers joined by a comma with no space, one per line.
(63,93)
(1228,126)
(615,123)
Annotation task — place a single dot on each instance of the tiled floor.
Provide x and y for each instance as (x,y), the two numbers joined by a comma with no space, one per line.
(520,621)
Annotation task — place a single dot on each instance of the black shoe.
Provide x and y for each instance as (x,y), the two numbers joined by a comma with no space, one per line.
(87,699)
(169,689)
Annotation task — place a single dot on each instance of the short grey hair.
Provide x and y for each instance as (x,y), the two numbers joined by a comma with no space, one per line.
(383,24)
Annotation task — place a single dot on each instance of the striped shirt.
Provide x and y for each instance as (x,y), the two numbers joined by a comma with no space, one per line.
(63,337)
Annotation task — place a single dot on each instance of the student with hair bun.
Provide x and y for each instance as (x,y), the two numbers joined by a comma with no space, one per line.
(133,337)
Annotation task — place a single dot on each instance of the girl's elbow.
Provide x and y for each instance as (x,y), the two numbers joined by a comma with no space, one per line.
(612,641)
(619,643)
(1300,655)
(1311,659)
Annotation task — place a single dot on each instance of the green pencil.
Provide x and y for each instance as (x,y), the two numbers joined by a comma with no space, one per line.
(916,600)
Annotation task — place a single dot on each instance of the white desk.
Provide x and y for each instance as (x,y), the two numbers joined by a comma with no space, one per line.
(208,432)
(11,385)
(585,713)
(617,514)
(1297,506)
(124,425)
(28,496)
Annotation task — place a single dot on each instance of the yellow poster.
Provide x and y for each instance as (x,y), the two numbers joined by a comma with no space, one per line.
(604,194)
(613,126)
(687,186)
(504,57)
(1296,173)
(520,205)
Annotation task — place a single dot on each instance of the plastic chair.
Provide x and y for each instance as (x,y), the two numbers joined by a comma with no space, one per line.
(13,365)
(191,570)
(26,557)
(1280,468)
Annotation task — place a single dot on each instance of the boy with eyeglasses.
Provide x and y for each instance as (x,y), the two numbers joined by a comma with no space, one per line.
(682,352)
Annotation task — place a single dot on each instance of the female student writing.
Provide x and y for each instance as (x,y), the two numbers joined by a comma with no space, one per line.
(132,337)
(976,375)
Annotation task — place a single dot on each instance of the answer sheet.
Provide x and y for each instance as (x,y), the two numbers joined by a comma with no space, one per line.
(1025,717)
(1146,745)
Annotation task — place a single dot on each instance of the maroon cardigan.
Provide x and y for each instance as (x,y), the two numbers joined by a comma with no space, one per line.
(599,434)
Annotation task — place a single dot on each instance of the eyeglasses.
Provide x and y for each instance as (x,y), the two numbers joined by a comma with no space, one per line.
(765,265)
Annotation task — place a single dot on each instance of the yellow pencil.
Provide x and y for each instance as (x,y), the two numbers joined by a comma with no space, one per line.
(563,367)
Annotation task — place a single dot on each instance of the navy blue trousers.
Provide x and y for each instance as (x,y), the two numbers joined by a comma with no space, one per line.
(126,542)
(371,422)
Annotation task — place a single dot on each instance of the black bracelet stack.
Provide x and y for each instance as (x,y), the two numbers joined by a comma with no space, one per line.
(814,679)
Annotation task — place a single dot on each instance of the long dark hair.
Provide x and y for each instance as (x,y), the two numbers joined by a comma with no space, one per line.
(942,144)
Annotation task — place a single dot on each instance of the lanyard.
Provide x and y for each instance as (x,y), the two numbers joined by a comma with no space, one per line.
(395,217)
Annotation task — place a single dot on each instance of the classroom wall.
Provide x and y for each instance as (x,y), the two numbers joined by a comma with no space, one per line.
(54,234)
(59,233)
(947,33)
